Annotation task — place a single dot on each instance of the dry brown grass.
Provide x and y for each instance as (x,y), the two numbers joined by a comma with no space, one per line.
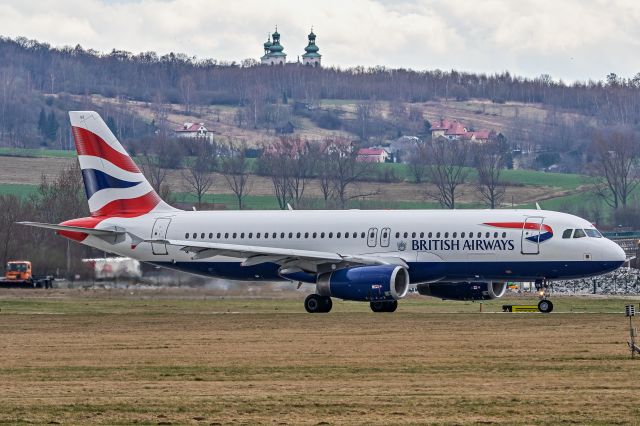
(107,358)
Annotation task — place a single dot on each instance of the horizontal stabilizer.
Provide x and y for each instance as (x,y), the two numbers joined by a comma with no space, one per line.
(90,231)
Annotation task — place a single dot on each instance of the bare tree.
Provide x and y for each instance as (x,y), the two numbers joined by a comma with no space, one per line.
(235,169)
(615,166)
(418,157)
(153,171)
(447,169)
(489,161)
(340,170)
(199,174)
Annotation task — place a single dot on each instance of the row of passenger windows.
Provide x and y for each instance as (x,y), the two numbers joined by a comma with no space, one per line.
(384,235)
(581,233)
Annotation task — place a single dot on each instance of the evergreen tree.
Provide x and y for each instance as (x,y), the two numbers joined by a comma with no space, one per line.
(42,123)
(52,126)
(111,124)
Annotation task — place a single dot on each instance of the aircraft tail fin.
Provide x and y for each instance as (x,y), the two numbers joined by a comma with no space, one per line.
(112,181)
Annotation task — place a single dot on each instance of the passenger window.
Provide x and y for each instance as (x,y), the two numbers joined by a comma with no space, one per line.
(446,235)
(355,235)
(210,235)
(257,235)
(579,233)
(235,234)
(242,235)
(298,235)
(397,235)
(315,234)
(422,235)
(195,235)
(462,235)
(282,235)
(275,235)
(202,235)
(186,235)
(306,235)
(406,234)
(504,235)
(290,234)
(330,234)
(226,235)
(250,234)
(567,233)
(338,235)
(437,235)
(346,235)
(384,234)
(487,235)
(455,234)
(266,235)
(495,235)
(479,234)
(430,234)
(322,235)
(218,235)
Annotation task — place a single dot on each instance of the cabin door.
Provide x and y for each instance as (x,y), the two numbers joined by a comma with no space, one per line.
(385,235)
(531,229)
(372,237)
(159,232)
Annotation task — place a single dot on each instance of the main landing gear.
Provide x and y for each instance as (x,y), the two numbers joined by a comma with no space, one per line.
(544,305)
(314,303)
(380,306)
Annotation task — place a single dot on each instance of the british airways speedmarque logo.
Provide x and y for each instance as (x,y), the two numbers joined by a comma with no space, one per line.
(541,232)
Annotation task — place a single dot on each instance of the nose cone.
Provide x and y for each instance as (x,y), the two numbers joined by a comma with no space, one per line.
(615,253)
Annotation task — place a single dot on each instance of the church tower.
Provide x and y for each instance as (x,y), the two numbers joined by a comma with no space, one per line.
(311,55)
(273,51)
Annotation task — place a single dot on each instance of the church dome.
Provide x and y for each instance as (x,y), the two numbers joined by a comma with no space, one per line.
(311,48)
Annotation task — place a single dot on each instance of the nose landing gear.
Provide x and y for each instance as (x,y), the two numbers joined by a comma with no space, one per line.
(544,305)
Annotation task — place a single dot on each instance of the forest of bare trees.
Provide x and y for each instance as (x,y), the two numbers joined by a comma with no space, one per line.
(30,70)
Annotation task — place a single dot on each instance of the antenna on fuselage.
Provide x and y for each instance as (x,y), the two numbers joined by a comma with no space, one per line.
(538,206)
(289,207)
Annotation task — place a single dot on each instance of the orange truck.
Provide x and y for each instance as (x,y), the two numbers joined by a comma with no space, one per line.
(19,274)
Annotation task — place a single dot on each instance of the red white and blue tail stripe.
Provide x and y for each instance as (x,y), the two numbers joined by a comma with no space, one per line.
(113,183)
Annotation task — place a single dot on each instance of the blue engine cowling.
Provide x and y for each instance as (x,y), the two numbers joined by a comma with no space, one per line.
(365,283)
(463,290)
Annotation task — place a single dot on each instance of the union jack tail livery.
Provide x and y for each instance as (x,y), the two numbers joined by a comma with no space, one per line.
(113,183)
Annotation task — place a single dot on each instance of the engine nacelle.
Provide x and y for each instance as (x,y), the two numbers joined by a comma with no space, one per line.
(365,283)
(464,290)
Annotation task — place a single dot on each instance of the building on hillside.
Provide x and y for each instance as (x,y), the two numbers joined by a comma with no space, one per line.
(273,51)
(455,130)
(193,131)
(372,155)
(311,55)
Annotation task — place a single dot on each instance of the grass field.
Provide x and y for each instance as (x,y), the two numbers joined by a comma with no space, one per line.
(166,357)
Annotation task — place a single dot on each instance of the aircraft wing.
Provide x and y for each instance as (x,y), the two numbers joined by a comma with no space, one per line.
(307,260)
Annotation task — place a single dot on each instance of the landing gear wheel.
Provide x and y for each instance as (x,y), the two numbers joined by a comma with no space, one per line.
(315,303)
(545,306)
(327,304)
(381,306)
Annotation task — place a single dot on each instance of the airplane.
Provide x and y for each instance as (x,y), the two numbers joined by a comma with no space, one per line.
(372,256)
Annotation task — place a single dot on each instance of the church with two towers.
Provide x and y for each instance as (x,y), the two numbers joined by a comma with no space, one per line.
(274,51)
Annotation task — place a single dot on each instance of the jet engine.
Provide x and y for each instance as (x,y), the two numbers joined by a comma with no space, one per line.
(365,283)
(463,290)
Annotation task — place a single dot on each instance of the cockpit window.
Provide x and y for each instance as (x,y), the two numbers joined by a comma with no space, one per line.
(567,233)
(579,233)
(593,233)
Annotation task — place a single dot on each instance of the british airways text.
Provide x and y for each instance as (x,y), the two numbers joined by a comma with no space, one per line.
(468,245)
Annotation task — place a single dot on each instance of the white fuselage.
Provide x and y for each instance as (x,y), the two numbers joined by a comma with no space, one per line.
(435,244)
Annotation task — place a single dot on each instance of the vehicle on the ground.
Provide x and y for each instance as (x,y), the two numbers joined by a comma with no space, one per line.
(19,274)
(372,256)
